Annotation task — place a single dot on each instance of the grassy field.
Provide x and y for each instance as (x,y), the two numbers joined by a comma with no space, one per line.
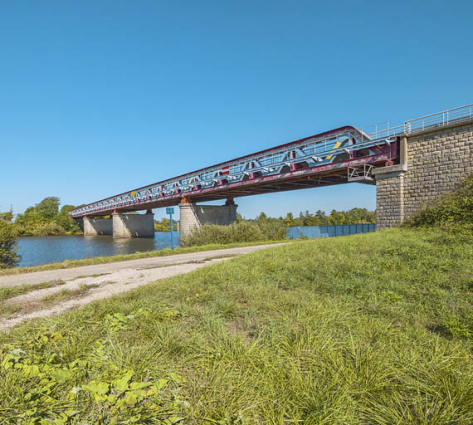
(137,255)
(366,329)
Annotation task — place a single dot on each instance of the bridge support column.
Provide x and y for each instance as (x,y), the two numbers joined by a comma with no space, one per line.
(133,225)
(193,216)
(97,226)
(389,196)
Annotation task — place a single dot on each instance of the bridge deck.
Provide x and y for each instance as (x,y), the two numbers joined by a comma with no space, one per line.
(319,160)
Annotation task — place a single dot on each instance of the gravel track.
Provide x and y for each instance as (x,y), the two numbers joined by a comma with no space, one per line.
(105,280)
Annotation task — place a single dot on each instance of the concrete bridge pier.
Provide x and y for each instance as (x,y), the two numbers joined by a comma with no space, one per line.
(133,225)
(97,226)
(193,215)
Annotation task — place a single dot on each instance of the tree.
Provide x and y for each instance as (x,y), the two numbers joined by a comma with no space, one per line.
(9,256)
(64,219)
(7,216)
(48,208)
(165,225)
(289,220)
(336,217)
(262,217)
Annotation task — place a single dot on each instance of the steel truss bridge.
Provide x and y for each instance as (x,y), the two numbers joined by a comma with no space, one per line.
(342,155)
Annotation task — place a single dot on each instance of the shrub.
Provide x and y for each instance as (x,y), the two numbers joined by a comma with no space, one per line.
(454,208)
(272,229)
(49,229)
(242,231)
(9,256)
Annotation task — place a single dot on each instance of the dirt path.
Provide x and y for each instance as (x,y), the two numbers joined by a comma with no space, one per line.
(83,285)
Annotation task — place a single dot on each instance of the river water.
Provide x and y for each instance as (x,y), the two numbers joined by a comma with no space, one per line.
(55,249)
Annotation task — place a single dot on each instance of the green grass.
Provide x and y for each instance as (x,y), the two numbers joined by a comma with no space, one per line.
(67,294)
(366,329)
(137,255)
(6,293)
(15,291)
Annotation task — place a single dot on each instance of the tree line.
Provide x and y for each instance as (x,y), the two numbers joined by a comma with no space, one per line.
(320,218)
(164,225)
(43,219)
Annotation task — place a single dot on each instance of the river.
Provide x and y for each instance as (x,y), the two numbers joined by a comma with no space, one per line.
(55,249)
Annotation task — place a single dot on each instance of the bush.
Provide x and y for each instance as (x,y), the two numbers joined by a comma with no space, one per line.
(455,208)
(9,256)
(242,231)
(49,229)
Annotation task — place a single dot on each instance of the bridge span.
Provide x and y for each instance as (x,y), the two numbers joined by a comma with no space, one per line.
(338,156)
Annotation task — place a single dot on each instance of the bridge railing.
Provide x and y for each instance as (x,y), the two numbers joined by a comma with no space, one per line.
(440,119)
(382,131)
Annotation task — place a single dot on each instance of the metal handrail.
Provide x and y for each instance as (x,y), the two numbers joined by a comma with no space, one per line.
(439,119)
(386,133)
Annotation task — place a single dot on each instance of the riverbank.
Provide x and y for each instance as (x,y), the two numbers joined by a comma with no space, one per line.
(372,328)
(115,258)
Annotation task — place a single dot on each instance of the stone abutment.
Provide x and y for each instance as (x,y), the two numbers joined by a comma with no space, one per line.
(432,163)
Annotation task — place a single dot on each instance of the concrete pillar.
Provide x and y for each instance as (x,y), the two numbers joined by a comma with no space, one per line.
(193,216)
(97,226)
(403,151)
(389,196)
(133,225)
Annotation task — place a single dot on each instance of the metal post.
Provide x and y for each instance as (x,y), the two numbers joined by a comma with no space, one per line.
(172,239)
(170,211)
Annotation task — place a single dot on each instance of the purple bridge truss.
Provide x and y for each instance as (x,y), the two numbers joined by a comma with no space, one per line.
(342,155)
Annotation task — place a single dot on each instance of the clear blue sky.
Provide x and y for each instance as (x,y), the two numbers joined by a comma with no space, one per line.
(98,97)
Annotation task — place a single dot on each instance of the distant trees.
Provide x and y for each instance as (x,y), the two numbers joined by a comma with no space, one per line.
(320,218)
(165,225)
(45,219)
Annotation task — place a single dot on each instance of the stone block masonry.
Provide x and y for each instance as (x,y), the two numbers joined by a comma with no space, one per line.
(97,226)
(435,163)
(389,199)
(193,215)
(133,225)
